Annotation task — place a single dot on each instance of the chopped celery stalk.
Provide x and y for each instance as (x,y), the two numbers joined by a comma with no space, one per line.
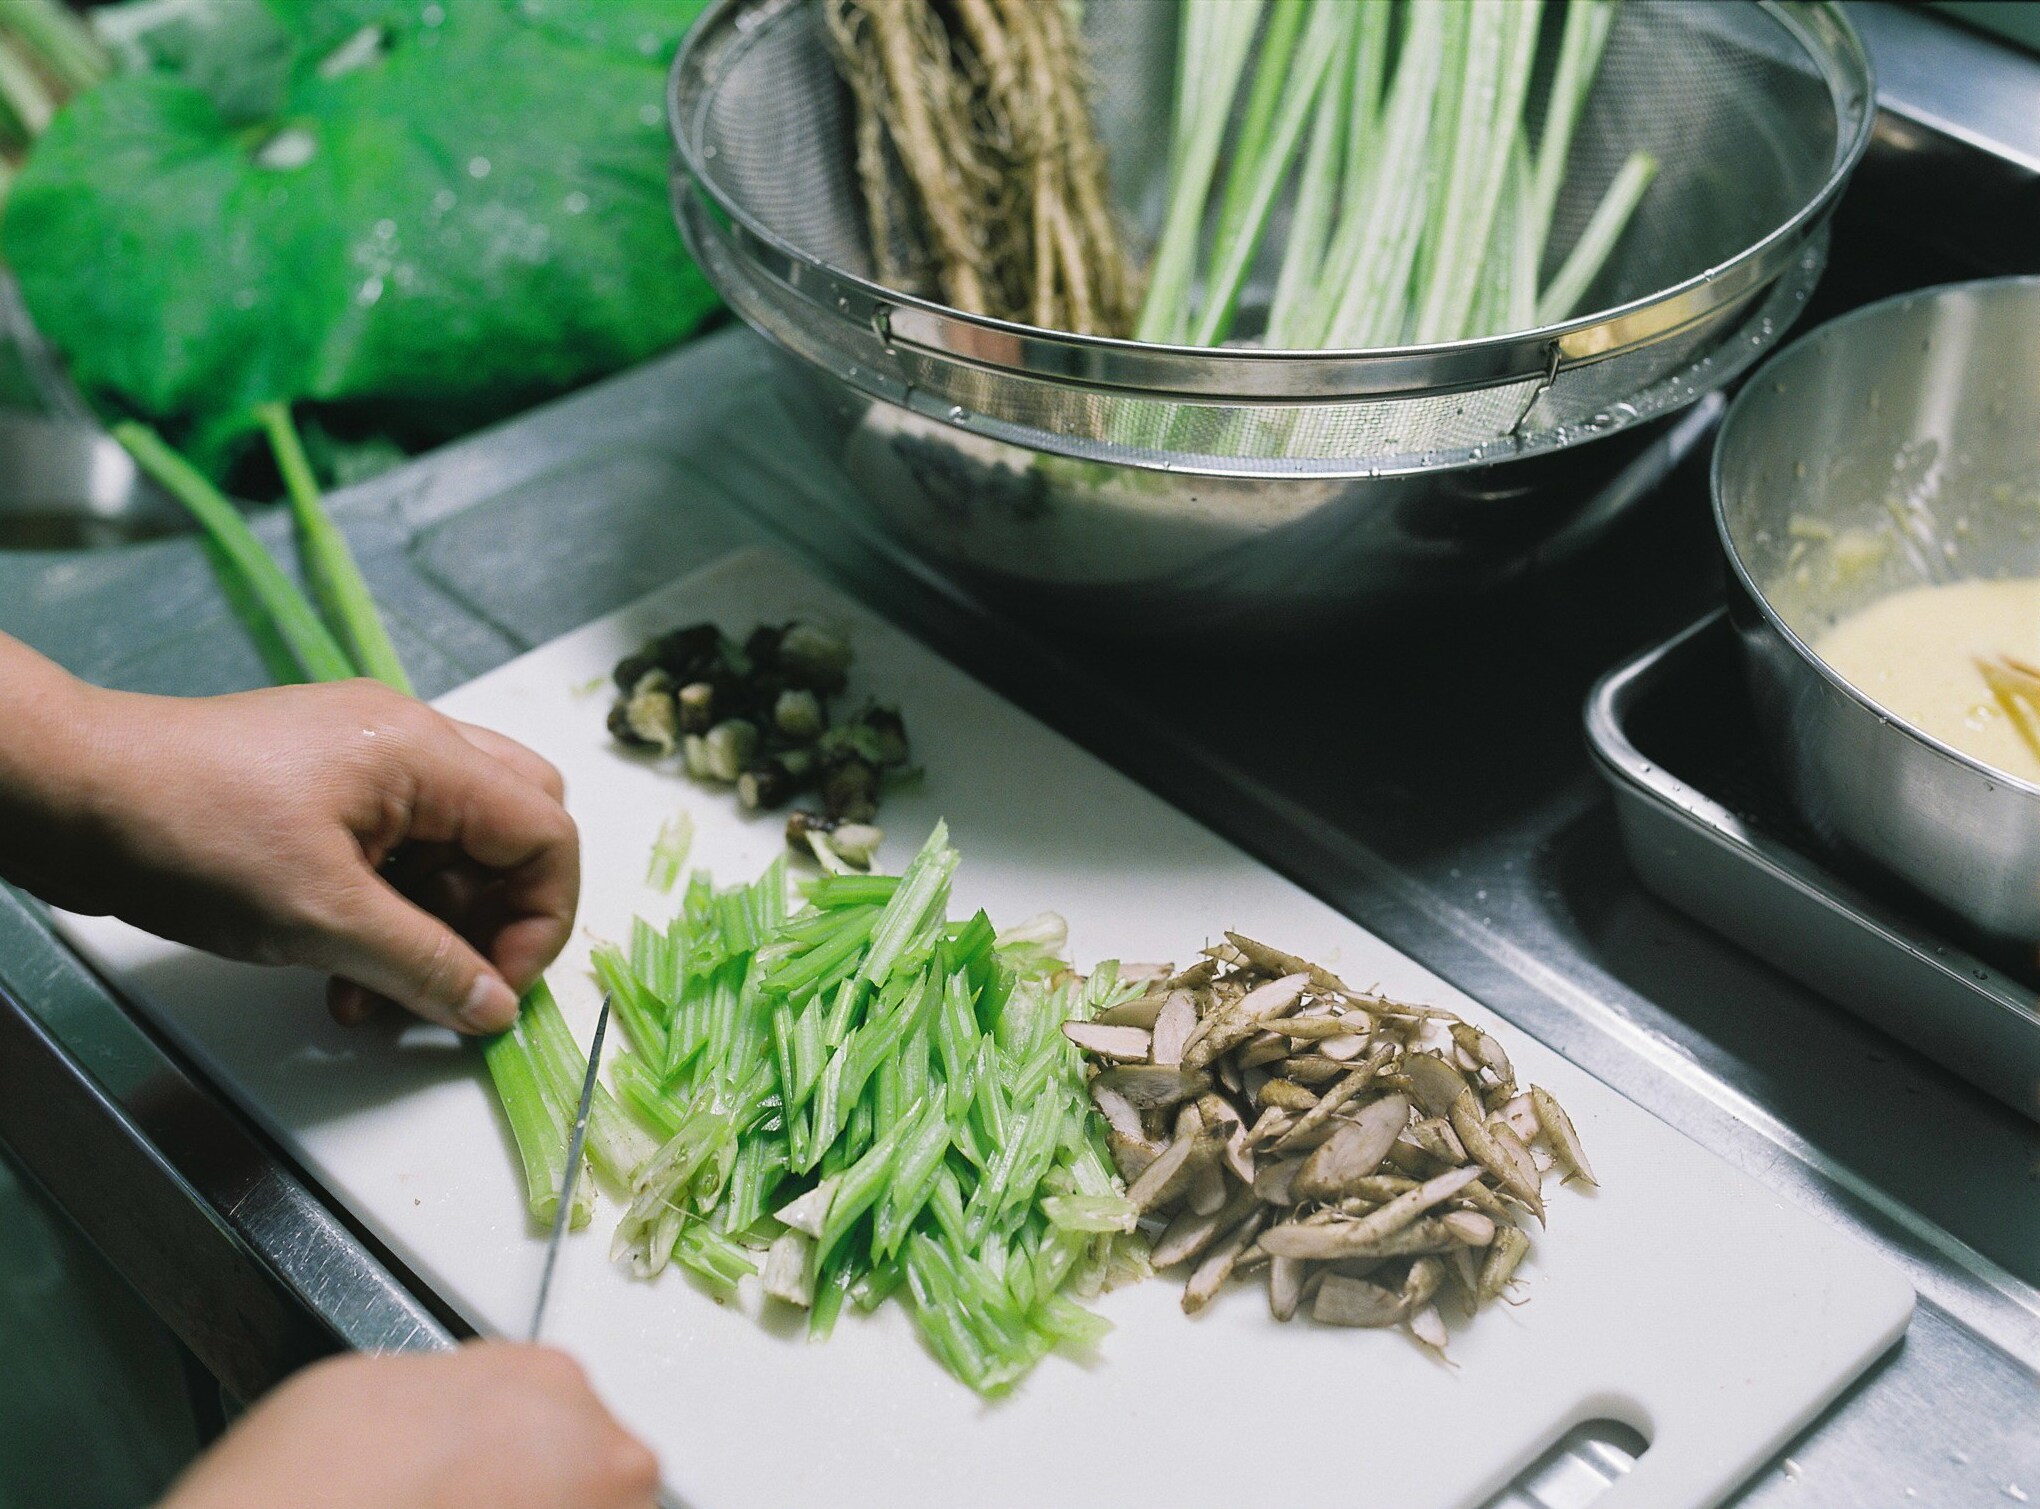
(704,1250)
(1090,1212)
(540,1125)
(840,1110)
(329,562)
(670,848)
(317,652)
(1561,297)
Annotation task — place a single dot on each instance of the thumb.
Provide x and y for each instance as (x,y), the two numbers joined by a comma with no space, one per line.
(394,948)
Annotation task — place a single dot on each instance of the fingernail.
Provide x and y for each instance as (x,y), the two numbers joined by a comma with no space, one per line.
(490,1006)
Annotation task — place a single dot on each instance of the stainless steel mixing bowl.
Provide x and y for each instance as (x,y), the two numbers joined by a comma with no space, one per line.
(1896,446)
(1158,483)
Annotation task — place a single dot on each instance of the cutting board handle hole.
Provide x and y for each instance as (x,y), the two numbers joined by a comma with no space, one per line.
(1586,1460)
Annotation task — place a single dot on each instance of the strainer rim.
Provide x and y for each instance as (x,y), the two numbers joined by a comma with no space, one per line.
(1840,59)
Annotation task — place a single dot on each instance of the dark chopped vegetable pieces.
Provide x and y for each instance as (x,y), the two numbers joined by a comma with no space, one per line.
(757,716)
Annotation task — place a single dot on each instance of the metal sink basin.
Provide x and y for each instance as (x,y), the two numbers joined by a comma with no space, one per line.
(65,485)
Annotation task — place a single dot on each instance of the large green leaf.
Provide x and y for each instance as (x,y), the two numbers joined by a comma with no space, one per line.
(453,206)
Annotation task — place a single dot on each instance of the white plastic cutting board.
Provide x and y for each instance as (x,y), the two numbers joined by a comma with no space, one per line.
(1682,1299)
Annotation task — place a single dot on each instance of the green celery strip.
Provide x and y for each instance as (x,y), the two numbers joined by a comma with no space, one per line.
(1310,224)
(669,852)
(1581,43)
(278,660)
(523,1098)
(318,653)
(836,891)
(1501,46)
(1323,42)
(329,562)
(615,1145)
(1219,34)
(59,40)
(1369,81)
(1264,96)
(1525,243)
(1358,280)
(1561,297)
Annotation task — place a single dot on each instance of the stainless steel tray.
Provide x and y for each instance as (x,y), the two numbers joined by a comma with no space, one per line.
(1707,828)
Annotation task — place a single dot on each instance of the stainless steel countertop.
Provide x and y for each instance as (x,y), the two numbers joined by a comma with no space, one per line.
(1425,775)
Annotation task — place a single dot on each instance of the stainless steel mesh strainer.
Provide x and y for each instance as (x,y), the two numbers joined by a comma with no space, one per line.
(1756,109)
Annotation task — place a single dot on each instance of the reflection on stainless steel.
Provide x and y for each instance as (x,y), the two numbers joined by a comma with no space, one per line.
(1705,829)
(66,484)
(1909,432)
(1148,478)
(1194,544)
(249,1268)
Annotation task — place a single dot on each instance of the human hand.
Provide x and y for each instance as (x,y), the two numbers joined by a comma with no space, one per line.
(343,826)
(512,1427)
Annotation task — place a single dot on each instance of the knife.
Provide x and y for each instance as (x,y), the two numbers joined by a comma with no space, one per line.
(575,1146)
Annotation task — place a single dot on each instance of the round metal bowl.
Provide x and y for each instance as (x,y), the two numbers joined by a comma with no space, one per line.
(1158,484)
(1896,446)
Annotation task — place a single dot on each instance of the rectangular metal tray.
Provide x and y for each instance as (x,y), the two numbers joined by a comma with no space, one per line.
(1707,828)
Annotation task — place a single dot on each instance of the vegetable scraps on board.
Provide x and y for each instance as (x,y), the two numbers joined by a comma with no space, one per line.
(756,716)
(1373,1156)
(423,213)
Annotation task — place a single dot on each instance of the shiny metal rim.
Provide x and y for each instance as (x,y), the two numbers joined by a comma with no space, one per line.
(1819,27)
(709,241)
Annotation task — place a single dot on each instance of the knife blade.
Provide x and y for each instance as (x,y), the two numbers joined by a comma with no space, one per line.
(576,1144)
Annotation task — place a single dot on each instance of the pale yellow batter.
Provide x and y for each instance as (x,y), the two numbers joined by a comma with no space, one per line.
(1914,654)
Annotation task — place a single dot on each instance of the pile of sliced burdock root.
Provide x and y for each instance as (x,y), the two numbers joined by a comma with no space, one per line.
(1375,1157)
